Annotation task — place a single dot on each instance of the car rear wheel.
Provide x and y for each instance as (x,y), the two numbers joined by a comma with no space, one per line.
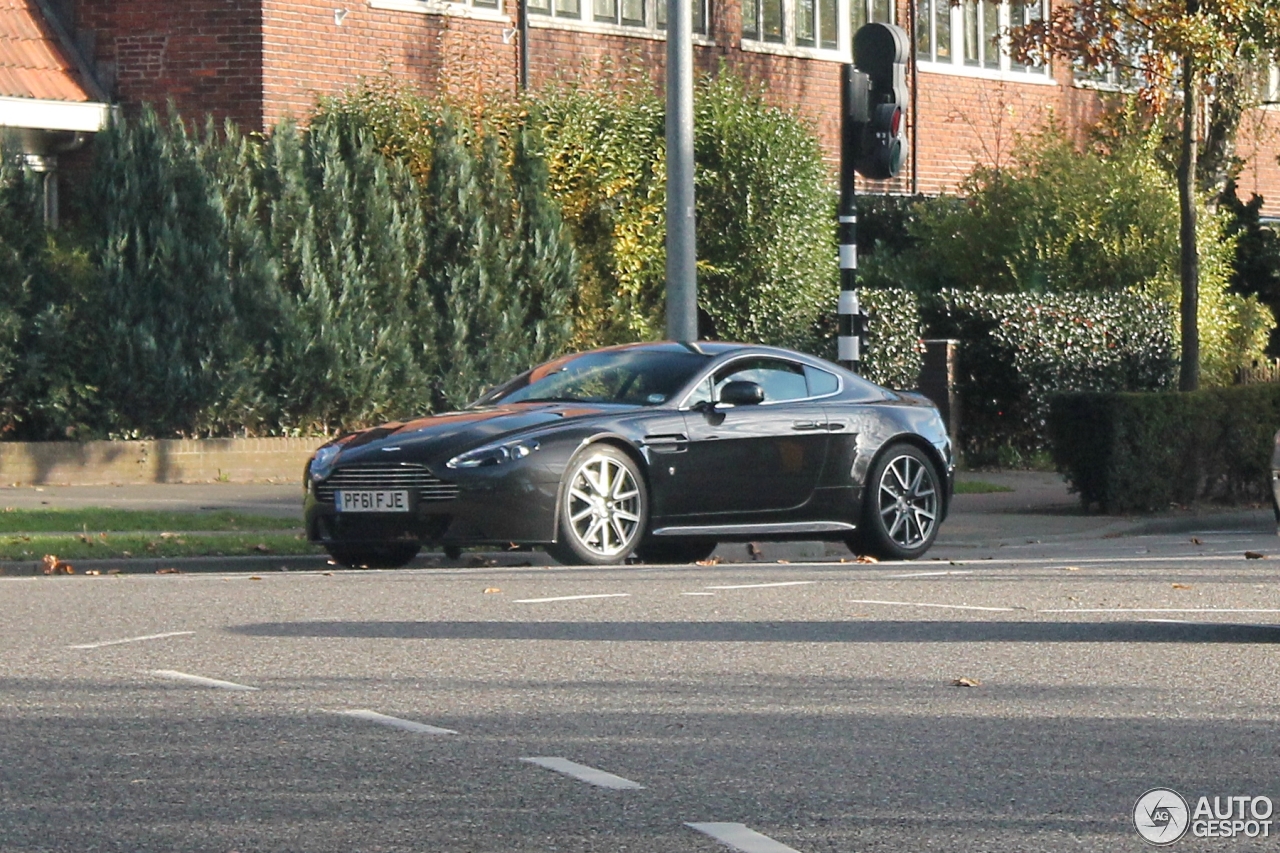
(386,555)
(603,508)
(675,551)
(902,505)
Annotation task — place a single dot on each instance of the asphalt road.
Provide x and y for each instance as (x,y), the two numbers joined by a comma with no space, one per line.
(781,706)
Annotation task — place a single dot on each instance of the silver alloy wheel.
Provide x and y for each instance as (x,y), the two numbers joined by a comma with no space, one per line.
(908,501)
(604,506)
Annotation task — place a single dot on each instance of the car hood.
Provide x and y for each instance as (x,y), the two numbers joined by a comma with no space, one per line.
(439,437)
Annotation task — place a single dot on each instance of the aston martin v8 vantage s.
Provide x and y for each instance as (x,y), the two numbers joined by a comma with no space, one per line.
(655,450)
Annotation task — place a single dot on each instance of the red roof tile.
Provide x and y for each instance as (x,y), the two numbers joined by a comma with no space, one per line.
(33,63)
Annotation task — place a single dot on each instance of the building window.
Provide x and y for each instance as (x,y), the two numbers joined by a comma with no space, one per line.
(869,12)
(633,14)
(797,23)
(971,33)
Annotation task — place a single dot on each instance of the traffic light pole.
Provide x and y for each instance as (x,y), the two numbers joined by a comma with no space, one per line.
(852,105)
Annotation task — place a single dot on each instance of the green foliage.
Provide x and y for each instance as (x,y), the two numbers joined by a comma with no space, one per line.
(1062,220)
(1017,350)
(1256,269)
(766,213)
(162,303)
(1138,452)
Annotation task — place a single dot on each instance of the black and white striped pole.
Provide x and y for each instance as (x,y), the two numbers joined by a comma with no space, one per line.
(853,121)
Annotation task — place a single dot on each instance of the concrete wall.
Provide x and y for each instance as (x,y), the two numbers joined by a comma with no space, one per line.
(96,463)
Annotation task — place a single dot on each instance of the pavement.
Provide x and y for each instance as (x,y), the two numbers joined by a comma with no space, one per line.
(1039,508)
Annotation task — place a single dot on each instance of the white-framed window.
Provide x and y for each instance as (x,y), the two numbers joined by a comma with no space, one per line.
(972,34)
(489,10)
(628,15)
(1271,86)
(808,24)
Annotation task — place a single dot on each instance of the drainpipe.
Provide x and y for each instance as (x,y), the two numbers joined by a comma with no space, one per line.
(915,101)
(524,45)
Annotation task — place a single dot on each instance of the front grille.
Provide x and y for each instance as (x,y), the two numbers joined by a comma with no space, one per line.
(413,478)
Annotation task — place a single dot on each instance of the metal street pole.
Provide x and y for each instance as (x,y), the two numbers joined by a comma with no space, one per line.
(853,102)
(682,255)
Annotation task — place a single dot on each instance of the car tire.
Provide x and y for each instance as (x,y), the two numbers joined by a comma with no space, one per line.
(604,508)
(901,506)
(386,555)
(676,551)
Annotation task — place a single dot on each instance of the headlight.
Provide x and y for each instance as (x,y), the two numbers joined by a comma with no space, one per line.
(494,454)
(322,461)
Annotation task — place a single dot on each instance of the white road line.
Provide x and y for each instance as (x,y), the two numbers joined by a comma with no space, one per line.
(740,838)
(174,675)
(582,772)
(697,593)
(925,604)
(396,722)
(762,585)
(1163,610)
(925,575)
(132,640)
(572,598)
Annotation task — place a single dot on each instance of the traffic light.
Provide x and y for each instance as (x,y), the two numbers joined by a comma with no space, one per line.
(880,55)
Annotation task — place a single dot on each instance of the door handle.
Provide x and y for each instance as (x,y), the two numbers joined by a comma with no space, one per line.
(835,427)
(805,425)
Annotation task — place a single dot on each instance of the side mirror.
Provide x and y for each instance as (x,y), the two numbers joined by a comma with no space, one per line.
(741,393)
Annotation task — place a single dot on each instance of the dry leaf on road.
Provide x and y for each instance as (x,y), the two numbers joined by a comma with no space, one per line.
(710,561)
(1182,586)
(51,565)
(1254,555)
(168,571)
(491,590)
(966,682)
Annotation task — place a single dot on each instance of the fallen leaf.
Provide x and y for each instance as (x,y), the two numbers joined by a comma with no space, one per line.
(169,571)
(784,562)
(254,578)
(93,572)
(168,536)
(491,590)
(1196,540)
(262,548)
(328,574)
(1182,586)
(966,682)
(1254,555)
(51,565)
(126,553)
(1071,568)
(710,561)
(866,558)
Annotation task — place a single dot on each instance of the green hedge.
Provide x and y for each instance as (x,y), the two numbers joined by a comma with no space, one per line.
(1017,350)
(1138,452)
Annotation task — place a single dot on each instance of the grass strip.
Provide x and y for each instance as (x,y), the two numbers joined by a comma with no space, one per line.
(98,519)
(100,546)
(979,487)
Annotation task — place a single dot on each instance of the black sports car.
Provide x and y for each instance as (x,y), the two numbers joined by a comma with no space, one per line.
(658,450)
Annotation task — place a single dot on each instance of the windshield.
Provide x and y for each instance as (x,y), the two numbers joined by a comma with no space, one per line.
(634,377)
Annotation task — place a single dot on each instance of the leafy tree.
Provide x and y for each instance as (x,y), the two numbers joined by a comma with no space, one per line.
(1257,263)
(1175,48)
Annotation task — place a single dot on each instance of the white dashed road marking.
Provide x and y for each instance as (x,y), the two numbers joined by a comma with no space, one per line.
(396,722)
(740,838)
(944,606)
(572,598)
(925,575)
(174,675)
(762,585)
(132,640)
(1164,610)
(582,772)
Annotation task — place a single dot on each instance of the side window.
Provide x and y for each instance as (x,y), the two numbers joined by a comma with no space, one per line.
(820,382)
(702,394)
(781,380)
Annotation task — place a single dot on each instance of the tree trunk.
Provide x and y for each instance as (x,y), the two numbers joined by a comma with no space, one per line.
(1189,266)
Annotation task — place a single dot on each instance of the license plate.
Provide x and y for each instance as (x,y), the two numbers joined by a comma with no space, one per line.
(371,501)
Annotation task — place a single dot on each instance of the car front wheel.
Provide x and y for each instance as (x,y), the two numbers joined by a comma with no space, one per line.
(603,508)
(902,505)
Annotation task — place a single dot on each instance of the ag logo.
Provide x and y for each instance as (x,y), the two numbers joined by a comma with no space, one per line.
(1161,816)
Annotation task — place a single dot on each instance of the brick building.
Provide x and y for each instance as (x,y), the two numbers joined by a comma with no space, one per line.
(258,61)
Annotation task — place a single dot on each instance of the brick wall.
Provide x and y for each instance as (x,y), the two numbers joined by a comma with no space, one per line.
(202,54)
(306,53)
(1259,143)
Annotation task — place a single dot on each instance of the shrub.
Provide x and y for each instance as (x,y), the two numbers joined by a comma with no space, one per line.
(1017,350)
(1138,452)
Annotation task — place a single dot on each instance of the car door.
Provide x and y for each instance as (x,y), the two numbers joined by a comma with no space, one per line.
(751,459)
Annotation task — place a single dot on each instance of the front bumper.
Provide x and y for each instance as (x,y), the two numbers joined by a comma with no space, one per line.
(496,505)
